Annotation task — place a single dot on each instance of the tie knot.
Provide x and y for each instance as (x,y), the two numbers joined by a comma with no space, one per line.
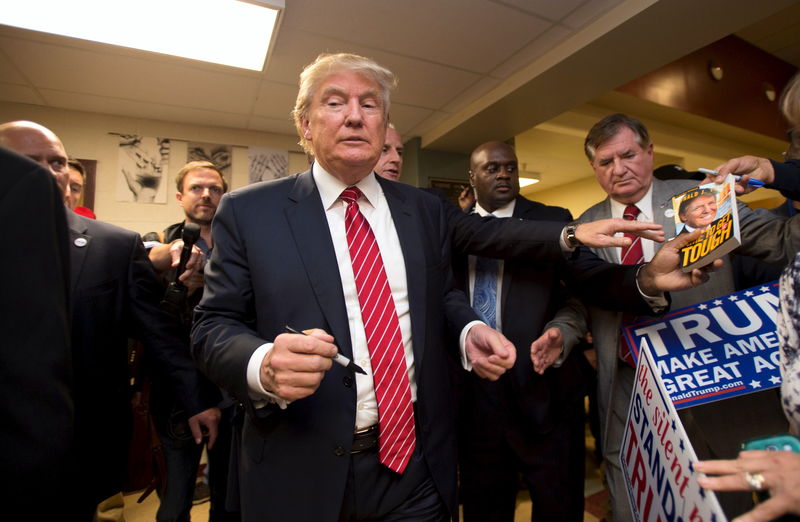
(350,195)
(631,213)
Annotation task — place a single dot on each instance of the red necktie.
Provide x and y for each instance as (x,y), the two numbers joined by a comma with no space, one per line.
(390,374)
(631,255)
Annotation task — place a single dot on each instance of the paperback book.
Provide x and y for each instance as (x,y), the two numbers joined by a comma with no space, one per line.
(711,208)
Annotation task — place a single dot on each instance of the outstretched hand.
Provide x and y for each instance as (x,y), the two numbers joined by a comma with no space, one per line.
(747,167)
(600,233)
(776,471)
(546,349)
(490,353)
(663,273)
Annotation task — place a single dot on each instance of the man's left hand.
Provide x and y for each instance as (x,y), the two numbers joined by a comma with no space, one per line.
(490,353)
(205,423)
(546,349)
(601,233)
(663,273)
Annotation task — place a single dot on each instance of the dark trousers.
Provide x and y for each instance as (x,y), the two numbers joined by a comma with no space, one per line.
(219,470)
(495,449)
(181,459)
(374,492)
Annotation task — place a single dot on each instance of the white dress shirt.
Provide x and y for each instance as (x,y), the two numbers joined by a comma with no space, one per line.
(645,206)
(374,207)
(503,212)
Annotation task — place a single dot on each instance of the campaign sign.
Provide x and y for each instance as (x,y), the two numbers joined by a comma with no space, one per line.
(656,456)
(716,349)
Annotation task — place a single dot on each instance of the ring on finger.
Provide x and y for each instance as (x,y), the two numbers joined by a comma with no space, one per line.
(754,480)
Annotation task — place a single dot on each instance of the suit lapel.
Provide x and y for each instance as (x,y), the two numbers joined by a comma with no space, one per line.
(604,212)
(662,201)
(409,231)
(79,244)
(306,219)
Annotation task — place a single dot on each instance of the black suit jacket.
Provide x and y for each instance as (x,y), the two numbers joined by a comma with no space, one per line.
(532,293)
(115,296)
(36,405)
(274,264)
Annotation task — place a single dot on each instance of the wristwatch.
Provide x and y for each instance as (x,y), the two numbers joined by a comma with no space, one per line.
(570,238)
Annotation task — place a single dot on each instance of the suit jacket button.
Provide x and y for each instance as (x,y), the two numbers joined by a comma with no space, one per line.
(348,381)
(339,451)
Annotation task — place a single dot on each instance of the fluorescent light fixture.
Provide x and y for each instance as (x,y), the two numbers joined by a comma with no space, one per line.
(228,32)
(528,177)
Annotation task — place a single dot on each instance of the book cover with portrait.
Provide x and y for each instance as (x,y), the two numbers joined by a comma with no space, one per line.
(711,208)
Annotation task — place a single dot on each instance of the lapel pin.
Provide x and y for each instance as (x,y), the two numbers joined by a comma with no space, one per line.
(80,242)
(670,213)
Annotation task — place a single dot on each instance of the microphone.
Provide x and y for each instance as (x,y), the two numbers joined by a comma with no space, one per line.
(174,300)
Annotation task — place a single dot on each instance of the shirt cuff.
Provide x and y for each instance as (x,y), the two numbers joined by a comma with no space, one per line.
(656,303)
(561,357)
(258,394)
(462,342)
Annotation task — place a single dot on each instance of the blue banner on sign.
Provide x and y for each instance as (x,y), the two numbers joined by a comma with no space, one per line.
(716,349)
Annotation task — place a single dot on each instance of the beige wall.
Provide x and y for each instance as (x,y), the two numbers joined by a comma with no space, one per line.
(85,135)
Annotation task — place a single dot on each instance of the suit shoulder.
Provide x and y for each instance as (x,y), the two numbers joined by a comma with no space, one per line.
(102,229)
(542,211)
(590,213)
(663,190)
(264,188)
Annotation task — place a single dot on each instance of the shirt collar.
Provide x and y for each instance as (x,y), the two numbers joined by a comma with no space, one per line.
(330,187)
(645,206)
(505,211)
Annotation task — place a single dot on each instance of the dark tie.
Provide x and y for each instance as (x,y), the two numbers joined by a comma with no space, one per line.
(385,342)
(631,255)
(484,293)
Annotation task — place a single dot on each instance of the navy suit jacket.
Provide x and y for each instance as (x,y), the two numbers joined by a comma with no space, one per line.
(274,264)
(115,295)
(36,403)
(532,293)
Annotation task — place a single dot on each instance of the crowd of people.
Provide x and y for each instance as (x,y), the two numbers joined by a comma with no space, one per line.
(465,323)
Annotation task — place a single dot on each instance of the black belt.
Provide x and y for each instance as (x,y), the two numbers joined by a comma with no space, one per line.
(365,439)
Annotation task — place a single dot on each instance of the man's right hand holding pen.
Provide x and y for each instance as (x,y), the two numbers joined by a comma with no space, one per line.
(752,173)
(297,363)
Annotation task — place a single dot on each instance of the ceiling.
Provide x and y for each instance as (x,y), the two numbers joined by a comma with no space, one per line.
(469,70)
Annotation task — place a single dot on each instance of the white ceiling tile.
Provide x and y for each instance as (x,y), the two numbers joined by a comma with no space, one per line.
(8,72)
(421,82)
(134,78)
(470,94)
(137,109)
(474,35)
(429,123)
(275,100)
(405,117)
(294,49)
(537,48)
(548,9)
(15,93)
(588,12)
(273,125)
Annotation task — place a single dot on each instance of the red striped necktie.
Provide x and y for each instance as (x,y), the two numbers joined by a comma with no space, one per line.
(390,374)
(631,255)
